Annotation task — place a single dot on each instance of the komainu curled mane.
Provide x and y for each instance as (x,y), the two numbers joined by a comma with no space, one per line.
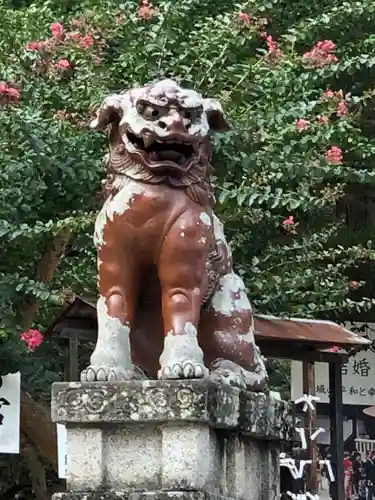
(170,303)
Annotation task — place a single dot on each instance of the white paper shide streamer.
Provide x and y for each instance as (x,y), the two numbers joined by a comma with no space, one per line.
(308,402)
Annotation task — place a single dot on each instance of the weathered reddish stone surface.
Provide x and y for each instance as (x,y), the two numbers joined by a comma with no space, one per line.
(170,302)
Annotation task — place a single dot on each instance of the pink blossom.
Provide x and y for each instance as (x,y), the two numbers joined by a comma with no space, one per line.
(32,338)
(323,119)
(245,18)
(334,348)
(274,52)
(354,285)
(35,46)
(328,94)
(326,46)
(75,35)
(146,11)
(13,93)
(289,221)
(321,54)
(271,44)
(302,124)
(342,108)
(86,42)
(334,155)
(57,30)
(10,93)
(63,64)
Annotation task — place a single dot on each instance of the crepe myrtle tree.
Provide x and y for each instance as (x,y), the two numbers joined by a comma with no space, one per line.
(295,88)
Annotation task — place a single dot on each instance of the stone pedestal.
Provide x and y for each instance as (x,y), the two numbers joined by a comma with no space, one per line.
(189,439)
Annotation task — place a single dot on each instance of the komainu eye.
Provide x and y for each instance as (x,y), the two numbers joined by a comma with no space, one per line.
(140,108)
(198,112)
(147,111)
(192,114)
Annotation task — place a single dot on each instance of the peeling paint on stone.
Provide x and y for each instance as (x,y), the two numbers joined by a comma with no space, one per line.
(116,205)
(182,356)
(190,329)
(230,296)
(205,218)
(111,359)
(220,235)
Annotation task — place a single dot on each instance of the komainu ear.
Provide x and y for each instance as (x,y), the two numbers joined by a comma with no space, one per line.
(110,112)
(215,115)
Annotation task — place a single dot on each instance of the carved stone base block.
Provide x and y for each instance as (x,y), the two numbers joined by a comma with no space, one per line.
(170,440)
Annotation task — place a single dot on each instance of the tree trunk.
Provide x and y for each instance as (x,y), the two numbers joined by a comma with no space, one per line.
(45,270)
(36,425)
(39,433)
(36,467)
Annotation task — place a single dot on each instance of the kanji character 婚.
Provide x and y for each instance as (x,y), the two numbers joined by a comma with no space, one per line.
(361,367)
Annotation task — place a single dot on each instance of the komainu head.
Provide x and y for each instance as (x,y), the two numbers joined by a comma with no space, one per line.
(162,127)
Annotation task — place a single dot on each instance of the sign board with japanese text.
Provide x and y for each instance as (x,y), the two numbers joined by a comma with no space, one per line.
(358,375)
(10,402)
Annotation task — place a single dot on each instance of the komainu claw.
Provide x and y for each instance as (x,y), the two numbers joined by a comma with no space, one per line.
(101,373)
(183,370)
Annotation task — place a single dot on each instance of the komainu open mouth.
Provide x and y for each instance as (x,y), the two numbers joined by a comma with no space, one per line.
(159,151)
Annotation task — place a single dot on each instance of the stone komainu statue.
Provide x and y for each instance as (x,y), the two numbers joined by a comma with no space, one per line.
(168,292)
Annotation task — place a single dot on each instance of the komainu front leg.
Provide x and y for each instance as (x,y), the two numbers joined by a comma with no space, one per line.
(228,324)
(111,359)
(182,357)
(181,271)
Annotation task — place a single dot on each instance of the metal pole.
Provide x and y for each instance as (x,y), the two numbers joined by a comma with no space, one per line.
(310,424)
(336,424)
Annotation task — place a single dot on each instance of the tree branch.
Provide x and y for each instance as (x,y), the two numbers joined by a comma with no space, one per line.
(36,467)
(36,425)
(44,273)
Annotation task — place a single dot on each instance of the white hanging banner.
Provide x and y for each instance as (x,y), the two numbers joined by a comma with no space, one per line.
(62,454)
(10,403)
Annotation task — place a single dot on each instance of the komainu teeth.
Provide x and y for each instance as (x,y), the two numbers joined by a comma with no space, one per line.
(148,140)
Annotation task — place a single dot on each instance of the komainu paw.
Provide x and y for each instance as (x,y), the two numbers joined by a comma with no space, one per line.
(183,369)
(102,373)
(227,372)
